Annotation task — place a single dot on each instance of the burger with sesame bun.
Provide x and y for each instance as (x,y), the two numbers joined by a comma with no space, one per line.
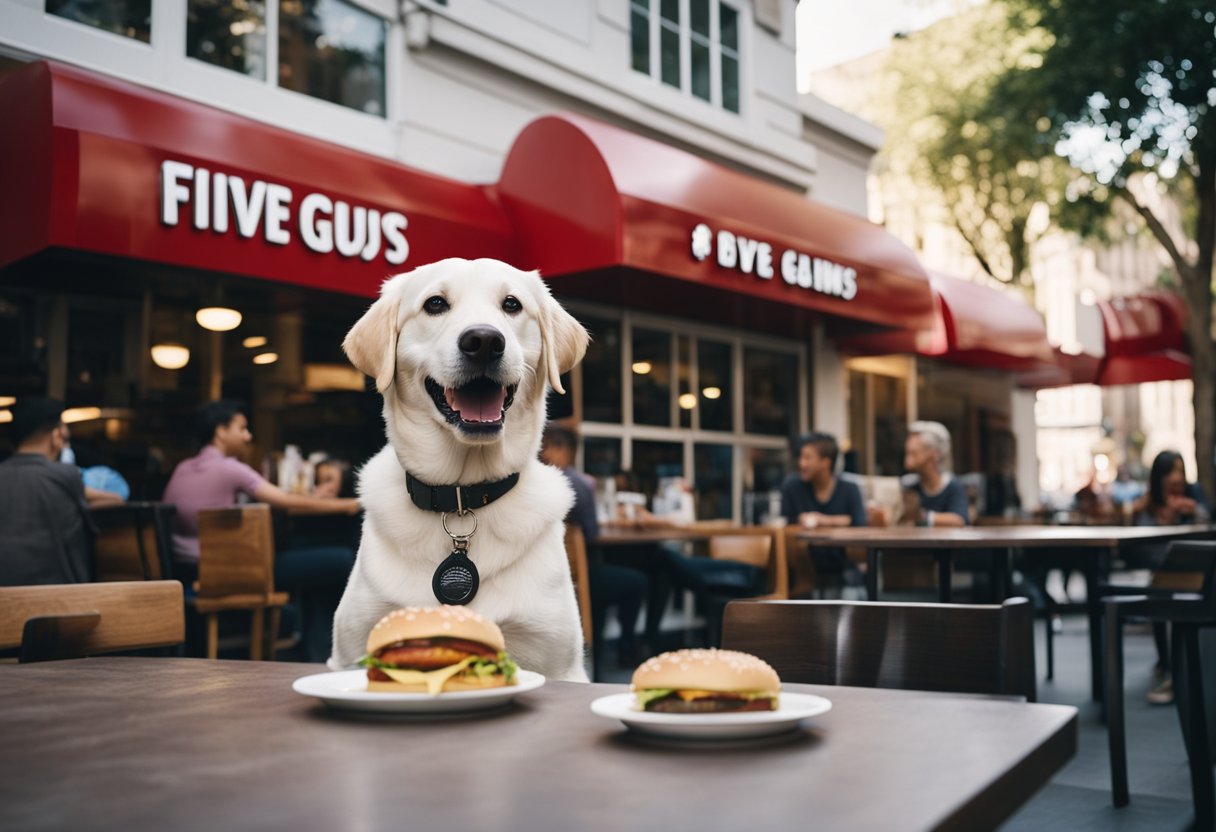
(436,650)
(705,682)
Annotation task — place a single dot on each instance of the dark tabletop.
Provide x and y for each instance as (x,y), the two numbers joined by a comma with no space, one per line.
(184,744)
(971,537)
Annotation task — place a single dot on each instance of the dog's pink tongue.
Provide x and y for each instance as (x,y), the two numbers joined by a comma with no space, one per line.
(479,407)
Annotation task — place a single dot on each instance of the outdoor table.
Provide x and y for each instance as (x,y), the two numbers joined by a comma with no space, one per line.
(1103,541)
(190,744)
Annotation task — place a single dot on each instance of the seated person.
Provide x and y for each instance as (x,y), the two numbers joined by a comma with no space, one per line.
(610,586)
(44,504)
(816,498)
(1170,499)
(215,478)
(943,501)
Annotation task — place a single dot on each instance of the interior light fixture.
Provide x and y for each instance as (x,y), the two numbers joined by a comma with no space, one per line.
(81,414)
(711,392)
(642,367)
(6,416)
(254,341)
(266,358)
(170,356)
(7,401)
(218,318)
(687,401)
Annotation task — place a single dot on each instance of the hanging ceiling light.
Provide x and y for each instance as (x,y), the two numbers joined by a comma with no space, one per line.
(218,318)
(642,367)
(687,401)
(6,416)
(7,401)
(254,341)
(80,414)
(170,356)
(711,392)
(266,358)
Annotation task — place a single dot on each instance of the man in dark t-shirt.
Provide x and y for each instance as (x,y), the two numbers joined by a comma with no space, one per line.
(815,497)
(943,500)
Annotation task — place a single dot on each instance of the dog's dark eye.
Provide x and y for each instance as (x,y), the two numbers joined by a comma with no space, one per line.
(435,305)
(511,305)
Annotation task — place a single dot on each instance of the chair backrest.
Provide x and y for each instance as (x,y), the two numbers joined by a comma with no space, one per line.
(132,542)
(754,550)
(937,647)
(576,554)
(236,551)
(56,621)
(1188,566)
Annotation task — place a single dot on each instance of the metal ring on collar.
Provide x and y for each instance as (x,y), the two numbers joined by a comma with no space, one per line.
(468,512)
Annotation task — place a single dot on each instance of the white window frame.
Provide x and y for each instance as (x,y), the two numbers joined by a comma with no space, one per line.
(627,430)
(654,19)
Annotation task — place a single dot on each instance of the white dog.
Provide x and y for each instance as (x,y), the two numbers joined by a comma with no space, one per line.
(461,351)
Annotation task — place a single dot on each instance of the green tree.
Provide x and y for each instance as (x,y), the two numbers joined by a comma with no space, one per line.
(1126,89)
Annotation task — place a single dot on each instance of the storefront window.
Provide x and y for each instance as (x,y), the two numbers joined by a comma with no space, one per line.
(332,50)
(770,394)
(130,18)
(651,373)
(639,41)
(602,456)
(601,369)
(712,465)
(716,400)
(762,477)
(229,35)
(653,462)
(686,398)
(707,29)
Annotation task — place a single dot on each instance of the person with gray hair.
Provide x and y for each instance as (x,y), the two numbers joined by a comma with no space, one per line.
(943,501)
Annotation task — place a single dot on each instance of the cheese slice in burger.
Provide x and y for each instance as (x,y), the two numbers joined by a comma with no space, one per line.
(436,650)
(705,682)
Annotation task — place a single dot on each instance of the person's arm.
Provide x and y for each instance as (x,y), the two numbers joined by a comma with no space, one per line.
(96,498)
(956,508)
(857,507)
(302,503)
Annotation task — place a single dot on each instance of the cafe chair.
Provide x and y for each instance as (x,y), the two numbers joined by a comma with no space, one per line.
(955,648)
(132,542)
(71,621)
(236,572)
(1188,606)
(576,554)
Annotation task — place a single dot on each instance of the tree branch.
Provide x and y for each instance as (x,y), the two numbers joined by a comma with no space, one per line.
(1159,231)
(974,246)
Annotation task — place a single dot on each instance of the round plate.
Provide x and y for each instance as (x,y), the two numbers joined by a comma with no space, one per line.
(347,690)
(791,710)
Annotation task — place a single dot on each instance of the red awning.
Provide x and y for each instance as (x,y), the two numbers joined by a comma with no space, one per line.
(975,325)
(99,165)
(1066,369)
(1145,339)
(633,216)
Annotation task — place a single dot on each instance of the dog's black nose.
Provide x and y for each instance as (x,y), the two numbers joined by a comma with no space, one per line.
(482,344)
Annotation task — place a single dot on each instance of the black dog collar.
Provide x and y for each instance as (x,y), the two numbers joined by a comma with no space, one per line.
(456,497)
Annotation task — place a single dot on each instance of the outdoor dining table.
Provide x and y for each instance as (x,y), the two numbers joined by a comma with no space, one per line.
(189,744)
(1101,541)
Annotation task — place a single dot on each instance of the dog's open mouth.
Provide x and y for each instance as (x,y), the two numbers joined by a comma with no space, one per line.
(476,407)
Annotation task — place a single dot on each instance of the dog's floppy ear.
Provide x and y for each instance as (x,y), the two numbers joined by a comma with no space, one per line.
(371,344)
(563,339)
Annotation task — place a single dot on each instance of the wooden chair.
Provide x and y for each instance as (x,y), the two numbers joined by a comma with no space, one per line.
(576,554)
(67,621)
(938,647)
(236,572)
(1183,595)
(132,542)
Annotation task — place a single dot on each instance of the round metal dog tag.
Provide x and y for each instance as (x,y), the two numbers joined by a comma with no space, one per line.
(456,580)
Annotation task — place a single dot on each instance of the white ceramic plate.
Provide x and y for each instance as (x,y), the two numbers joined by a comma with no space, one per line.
(347,690)
(791,710)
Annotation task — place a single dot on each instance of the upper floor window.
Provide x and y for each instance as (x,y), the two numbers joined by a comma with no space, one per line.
(328,49)
(132,18)
(692,45)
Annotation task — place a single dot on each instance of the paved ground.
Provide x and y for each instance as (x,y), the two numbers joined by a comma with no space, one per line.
(1078,798)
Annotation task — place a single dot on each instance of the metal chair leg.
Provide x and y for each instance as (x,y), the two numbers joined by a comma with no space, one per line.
(1113,701)
(213,635)
(1192,712)
(1050,638)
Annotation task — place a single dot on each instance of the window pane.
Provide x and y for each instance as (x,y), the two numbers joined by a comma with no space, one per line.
(698,12)
(652,461)
(228,34)
(670,44)
(639,36)
(762,475)
(713,480)
(687,399)
(728,27)
(700,70)
(713,372)
(130,18)
(670,10)
(601,368)
(730,84)
(770,394)
(651,372)
(332,50)
(601,456)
